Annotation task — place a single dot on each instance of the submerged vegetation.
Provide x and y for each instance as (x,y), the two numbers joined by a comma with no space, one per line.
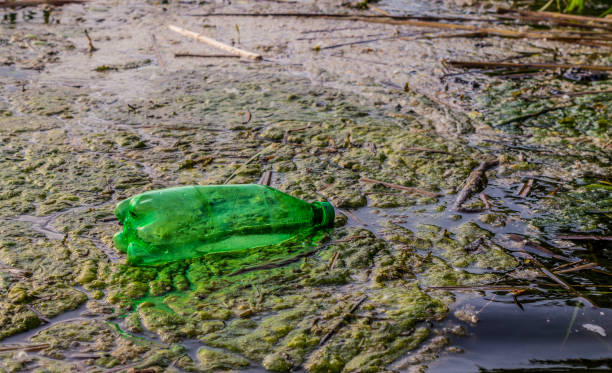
(475,188)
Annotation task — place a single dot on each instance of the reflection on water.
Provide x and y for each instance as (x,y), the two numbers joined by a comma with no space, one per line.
(547,334)
(547,328)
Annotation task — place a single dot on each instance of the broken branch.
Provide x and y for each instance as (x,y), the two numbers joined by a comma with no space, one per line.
(475,182)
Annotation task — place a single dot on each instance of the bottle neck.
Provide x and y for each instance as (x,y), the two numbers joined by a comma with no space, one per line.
(324,214)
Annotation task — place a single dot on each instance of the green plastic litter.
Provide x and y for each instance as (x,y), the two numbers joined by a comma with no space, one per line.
(186,222)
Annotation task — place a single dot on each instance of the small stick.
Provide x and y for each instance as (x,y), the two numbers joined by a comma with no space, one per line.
(40,315)
(278,264)
(568,264)
(371,147)
(538,247)
(157,54)
(532,115)
(347,212)
(337,325)
(475,182)
(32,347)
(578,268)
(524,192)
(485,200)
(554,191)
(24,3)
(15,271)
(378,10)
(478,288)
(340,16)
(91,46)
(557,16)
(333,29)
(242,166)
(334,46)
(426,150)
(84,356)
(332,263)
(584,237)
(205,55)
(485,64)
(487,304)
(571,94)
(215,43)
(558,280)
(266,178)
(351,238)
(399,187)
(536,20)
(287,132)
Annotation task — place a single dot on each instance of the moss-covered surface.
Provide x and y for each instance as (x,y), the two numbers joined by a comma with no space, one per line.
(356,297)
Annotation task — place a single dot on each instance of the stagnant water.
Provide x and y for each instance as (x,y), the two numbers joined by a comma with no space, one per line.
(551,330)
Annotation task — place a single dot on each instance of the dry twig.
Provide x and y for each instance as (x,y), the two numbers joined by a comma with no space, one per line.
(553,66)
(478,288)
(24,3)
(337,325)
(533,115)
(157,54)
(32,347)
(526,188)
(266,178)
(559,280)
(215,43)
(90,42)
(278,264)
(485,200)
(425,150)
(40,315)
(577,268)
(178,55)
(400,187)
(585,237)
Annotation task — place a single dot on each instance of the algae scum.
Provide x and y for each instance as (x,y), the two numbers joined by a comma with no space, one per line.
(403,282)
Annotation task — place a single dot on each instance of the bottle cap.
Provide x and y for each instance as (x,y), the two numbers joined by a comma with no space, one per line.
(327,213)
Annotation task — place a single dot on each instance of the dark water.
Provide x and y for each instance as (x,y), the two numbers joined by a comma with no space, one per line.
(554,331)
(549,335)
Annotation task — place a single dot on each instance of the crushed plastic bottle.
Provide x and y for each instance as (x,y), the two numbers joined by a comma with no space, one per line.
(187,222)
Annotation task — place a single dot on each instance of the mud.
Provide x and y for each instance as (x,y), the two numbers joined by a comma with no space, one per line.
(82,130)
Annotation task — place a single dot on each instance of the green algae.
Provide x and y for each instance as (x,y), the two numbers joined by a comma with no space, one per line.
(276,316)
(215,360)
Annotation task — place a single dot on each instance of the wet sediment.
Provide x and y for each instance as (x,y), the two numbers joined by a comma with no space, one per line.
(378,292)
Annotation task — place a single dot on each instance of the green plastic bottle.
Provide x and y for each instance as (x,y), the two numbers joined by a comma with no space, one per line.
(187,222)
